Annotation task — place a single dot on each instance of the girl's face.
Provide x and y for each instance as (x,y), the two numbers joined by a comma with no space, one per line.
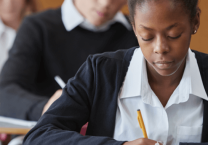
(164,32)
(12,8)
(98,12)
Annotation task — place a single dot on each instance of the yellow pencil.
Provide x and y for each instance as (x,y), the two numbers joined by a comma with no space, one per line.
(141,123)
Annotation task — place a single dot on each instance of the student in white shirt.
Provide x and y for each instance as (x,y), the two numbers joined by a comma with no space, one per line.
(168,79)
(11,15)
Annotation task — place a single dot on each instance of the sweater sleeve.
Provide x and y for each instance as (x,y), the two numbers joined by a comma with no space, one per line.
(19,74)
(62,122)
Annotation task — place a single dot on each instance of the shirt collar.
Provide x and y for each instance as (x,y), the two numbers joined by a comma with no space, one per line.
(197,87)
(2,27)
(72,18)
(132,83)
(136,81)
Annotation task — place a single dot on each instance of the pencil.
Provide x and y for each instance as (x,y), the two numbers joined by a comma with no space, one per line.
(60,81)
(141,123)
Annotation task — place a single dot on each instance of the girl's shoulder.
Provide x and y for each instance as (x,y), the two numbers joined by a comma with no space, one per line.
(121,55)
(202,59)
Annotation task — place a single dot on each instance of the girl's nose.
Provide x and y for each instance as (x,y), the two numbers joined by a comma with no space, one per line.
(161,46)
(105,3)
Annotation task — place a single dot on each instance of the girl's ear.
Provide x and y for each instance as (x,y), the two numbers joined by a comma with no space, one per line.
(196,21)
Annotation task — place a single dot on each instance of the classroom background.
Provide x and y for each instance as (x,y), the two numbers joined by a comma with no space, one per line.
(199,41)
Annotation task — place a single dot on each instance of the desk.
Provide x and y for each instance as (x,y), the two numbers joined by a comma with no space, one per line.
(9,128)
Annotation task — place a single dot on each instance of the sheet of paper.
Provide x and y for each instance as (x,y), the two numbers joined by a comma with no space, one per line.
(6,121)
(193,143)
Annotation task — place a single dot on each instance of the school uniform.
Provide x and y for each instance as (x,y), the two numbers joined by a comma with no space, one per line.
(51,43)
(104,93)
(181,120)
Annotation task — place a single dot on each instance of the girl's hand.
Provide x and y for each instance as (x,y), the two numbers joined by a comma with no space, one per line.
(142,141)
(55,96)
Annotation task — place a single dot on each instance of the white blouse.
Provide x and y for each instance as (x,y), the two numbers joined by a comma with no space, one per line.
(7,36)
(181,120)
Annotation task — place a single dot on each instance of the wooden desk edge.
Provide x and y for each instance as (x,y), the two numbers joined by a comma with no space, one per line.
(21,131)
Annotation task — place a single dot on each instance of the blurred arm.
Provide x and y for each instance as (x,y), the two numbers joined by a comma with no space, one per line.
(62,122)
(19,75)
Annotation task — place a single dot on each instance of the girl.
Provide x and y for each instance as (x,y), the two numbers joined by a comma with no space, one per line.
(163,78)
(11,14)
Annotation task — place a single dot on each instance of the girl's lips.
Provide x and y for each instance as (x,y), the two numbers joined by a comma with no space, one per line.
(100,14)
(163,65)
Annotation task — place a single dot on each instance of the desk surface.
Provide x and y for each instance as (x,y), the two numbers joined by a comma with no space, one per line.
(9,128)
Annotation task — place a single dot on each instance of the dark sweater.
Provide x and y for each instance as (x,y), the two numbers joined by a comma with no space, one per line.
(91,96)
(43,49)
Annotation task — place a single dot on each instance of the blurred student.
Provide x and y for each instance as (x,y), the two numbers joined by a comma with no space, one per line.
(11,15)
(57,42)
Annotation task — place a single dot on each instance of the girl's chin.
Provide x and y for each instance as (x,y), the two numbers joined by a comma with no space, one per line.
(166,72)
(97,23)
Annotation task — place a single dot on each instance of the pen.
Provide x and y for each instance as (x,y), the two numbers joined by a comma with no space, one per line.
(141,123)
(60,81)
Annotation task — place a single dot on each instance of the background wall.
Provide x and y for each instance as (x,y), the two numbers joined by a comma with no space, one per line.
(199,41)
(45,4)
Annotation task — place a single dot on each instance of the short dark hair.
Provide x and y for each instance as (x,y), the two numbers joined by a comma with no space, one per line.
(191,6)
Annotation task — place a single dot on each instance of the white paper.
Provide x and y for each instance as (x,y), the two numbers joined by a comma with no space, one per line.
(20,122)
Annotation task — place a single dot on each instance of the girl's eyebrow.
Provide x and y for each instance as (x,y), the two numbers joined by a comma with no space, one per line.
(150,29)
(170,27)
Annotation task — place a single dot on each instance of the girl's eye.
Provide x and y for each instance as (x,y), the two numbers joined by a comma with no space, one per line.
(168,36)
(175,37)
(147,39)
